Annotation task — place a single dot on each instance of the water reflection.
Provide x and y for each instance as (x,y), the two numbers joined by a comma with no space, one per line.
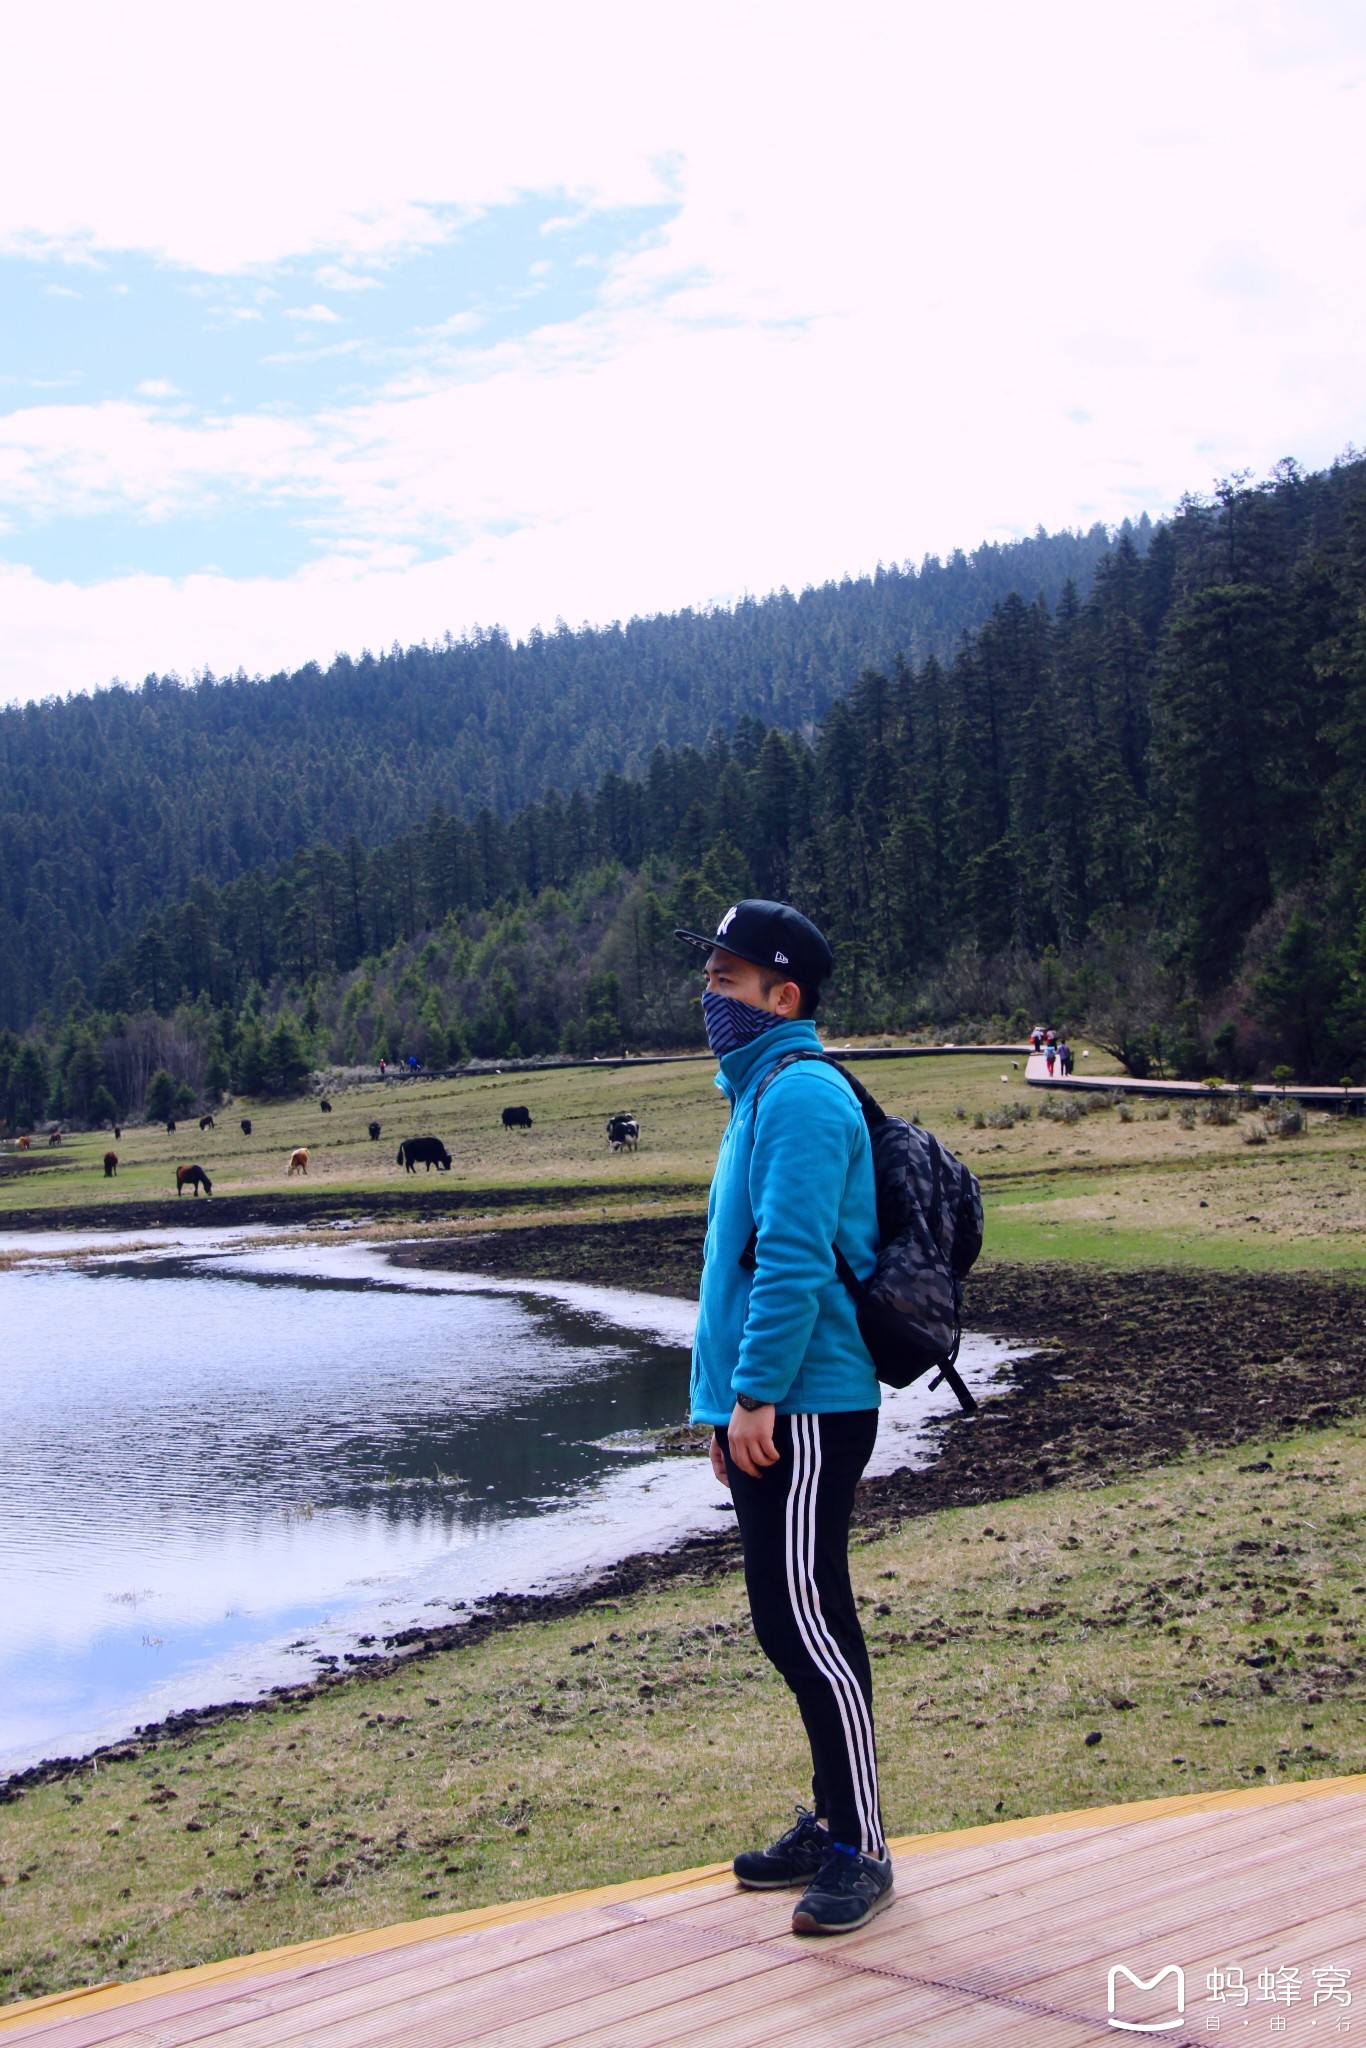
(193,1460)
(226,1466)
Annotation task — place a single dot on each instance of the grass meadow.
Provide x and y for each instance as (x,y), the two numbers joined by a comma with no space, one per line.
(1131,1184)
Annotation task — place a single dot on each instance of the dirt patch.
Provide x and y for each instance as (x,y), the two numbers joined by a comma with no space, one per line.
(432,1203)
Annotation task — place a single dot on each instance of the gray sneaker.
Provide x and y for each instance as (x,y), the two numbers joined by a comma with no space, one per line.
(845,1893)
(794,1858)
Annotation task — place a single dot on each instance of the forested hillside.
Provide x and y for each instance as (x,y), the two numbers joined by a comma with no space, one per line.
(1142,811)
(112,805)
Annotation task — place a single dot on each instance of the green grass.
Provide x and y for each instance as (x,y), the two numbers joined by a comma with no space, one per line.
(648,1734)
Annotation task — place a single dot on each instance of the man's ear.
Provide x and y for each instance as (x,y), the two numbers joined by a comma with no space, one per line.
(789,999)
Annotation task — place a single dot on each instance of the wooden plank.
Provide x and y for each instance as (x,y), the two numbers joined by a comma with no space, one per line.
(70,2005)
(163,2022)
(465,2010)
(1028,1909)
(1035,1861)
(690,1994)
(1200,1876)
(1223,1923)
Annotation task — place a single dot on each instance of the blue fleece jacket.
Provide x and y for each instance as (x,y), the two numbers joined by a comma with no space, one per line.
(787,1332)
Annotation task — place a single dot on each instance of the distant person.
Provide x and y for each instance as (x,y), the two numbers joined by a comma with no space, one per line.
(412,1063)
(1050,1055)
(1064,1057)
(1036,1038)
(785,1380)
(383,1067)
(1050,1037)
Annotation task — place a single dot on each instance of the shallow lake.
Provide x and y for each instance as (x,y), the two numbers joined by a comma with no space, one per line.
(228,1464)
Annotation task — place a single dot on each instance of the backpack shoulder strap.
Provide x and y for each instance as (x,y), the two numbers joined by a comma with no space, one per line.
(873,1116)
(936,1152)
(873,1112)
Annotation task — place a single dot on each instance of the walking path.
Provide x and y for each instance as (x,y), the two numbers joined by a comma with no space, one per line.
(1037,1076)
(1028,1934)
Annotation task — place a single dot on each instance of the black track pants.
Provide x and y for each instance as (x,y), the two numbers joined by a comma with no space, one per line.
(794,1526)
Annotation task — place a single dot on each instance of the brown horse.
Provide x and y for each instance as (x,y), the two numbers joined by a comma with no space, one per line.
(111,1165)
(298,1161)
(24,1144)
(193,1177)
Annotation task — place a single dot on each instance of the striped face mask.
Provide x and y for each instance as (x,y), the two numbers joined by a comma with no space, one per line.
(731,1023)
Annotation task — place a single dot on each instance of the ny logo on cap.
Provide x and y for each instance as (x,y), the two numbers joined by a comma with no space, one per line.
(727,921)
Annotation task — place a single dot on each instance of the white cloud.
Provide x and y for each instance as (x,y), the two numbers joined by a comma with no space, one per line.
(318,313)
(334,277)
(934,274)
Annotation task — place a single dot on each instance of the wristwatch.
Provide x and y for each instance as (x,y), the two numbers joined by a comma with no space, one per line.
(748,1403)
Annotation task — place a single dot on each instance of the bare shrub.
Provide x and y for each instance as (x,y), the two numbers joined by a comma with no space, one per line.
(1185,1116)
(1255,1134)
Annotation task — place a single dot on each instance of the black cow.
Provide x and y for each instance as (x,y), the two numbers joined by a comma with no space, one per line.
(206,1122)
(517,1118)
(430,1151)
(374,1130)
(246,1127)
(111,1165)
(325,1106)
(170,1123)
(118,1130)
(623,1133)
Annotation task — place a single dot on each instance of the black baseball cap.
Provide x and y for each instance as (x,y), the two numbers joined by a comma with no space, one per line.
(770,935)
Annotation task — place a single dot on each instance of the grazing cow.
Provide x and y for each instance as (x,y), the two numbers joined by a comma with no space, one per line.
(118,1130)
(111,1165)
(298,1161)
(170,1123)
(517,1118)
(206,1122)
(246,1127)
(325,1106)
(430,1151)
(623,1133)
(24,1144)
(54,1137)
(374,1130)
(193,1177)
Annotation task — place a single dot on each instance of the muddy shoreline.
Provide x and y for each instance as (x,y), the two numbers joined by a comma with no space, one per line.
(1126,1370)
(426,1200)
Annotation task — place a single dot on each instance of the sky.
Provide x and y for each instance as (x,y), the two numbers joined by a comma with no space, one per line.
(324,327)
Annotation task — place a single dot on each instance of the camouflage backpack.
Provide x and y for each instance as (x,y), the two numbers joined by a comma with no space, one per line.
(929,1214)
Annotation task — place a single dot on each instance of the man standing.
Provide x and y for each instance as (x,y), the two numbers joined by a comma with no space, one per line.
(784,1378)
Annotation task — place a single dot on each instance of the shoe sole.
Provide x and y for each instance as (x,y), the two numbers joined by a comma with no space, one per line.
(774,1884)
(804,1923)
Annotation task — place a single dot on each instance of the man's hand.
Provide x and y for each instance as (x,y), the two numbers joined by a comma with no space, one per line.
(718,1459)
(750,1433)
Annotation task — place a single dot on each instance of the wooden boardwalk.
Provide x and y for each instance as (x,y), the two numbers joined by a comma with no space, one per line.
(1000,1937)
(1349,1100)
